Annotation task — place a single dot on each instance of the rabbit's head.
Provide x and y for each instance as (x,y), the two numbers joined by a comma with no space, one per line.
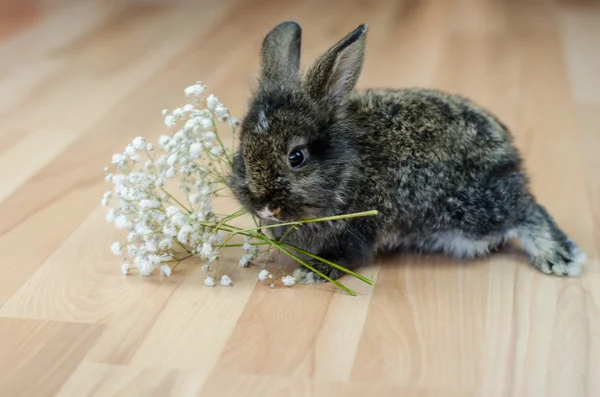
(296,157)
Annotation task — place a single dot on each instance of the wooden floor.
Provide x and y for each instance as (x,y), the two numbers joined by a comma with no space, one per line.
(79,79)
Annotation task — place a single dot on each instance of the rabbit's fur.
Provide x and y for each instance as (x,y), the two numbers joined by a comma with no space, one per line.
(443,173)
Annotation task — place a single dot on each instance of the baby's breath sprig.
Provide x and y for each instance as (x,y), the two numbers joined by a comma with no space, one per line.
(163,198)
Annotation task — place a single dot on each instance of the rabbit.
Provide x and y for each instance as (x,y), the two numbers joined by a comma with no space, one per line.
(443,173)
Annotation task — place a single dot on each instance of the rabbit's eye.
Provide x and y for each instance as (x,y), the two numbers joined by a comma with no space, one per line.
(296,158)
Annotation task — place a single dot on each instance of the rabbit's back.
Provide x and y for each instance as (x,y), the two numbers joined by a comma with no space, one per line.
(433,124)
(434,160)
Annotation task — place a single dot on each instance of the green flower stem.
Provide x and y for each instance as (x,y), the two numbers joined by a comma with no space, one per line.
(335,265)
(313,220)
(300,222)
(241,245)
(230,217)
(179,260)
(233,229)
(151,158)
(218,159)
(177,201)
(287,232)
(222,223)
(184,247)
(229,160)
(337,284)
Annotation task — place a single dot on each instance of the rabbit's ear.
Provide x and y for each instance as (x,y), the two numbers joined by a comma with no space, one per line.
(335,73)
(280,56)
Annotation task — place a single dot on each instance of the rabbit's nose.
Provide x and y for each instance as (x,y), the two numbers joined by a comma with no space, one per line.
(267,213)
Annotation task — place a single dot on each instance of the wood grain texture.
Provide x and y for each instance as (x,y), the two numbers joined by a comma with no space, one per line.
(78,80)
(39,356)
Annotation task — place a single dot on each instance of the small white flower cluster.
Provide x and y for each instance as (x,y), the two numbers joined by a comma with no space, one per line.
(160,228)
(252,252)
(287,280)
(166,226)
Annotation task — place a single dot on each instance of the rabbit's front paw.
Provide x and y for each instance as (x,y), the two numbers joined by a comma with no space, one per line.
(306,276)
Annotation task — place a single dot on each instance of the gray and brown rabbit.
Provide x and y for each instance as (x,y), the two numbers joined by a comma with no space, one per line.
(443,173)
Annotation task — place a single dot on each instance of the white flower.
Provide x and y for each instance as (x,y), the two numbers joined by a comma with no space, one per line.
(205,123)
(119,159)
(205,268)
(125,268)
(121,222)
(245,261)
(222,112)
(196,149)
(205,190)
(210,136)
(151,246)
(212,102)
(172,210)
(263,274)
(139,143)
(130,151)
(149,204)
(172,159)
(179,219)
(119,179)
(247,246)
(225,280)
(179,138)
(182,236)
(140,191)
(170,121)
(141,228)
(209,281)
(132,250)
(194,237)
(288,281)
(271,285)
(170,173)
(169,230)
(165,270)
(162,161)
(111,215)
(217,150)
(195,199)
(164,140)
(116,248)
(195,90)
(206,251)
(166,243)
(146,267)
